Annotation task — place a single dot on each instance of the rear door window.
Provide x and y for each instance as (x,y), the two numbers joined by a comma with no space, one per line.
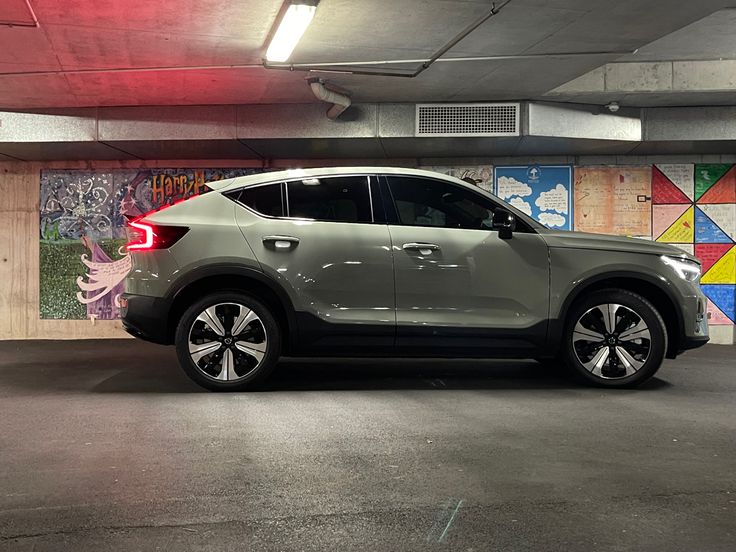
(331,199)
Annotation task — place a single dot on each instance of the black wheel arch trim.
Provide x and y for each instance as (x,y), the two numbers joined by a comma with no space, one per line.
(233,269)
(557,325)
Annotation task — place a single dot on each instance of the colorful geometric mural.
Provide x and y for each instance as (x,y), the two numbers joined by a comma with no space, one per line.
(694,206)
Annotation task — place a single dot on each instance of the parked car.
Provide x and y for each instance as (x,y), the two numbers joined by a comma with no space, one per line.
(398,262)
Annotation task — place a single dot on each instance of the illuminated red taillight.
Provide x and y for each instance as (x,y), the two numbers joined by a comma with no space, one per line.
(143,236)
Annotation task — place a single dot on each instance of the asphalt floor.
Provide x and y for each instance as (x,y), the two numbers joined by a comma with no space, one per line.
(106,445)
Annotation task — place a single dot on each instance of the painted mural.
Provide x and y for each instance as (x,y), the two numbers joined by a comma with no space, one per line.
(477,175)
(82,219)
(542,191)
(82,231)
(694,207)
(614,200)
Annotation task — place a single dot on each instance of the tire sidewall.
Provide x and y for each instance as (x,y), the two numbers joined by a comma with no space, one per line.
(640,306)
(273,346)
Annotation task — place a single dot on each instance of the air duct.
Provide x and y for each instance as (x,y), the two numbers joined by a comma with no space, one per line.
(340,102)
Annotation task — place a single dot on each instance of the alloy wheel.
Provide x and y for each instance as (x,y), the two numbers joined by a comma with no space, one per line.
(611,341)
(227,341)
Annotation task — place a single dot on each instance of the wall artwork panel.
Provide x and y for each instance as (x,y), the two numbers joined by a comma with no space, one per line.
(695,206)
(542,191)
(614,200)
(478,175)
(83,261)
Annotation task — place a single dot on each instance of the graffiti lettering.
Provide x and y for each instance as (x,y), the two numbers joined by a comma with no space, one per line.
(166,187)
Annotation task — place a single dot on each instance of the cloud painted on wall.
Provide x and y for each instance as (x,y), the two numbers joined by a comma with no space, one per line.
(553,200)
(551,219)
(521,205)
(508,186)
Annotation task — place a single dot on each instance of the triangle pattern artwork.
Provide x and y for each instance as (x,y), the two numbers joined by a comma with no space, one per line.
(723,191)
(663,216)
(707,231)
(716,317)
(709,253)
(681,175)
(706,176)
(664,191)
(682,230)
(723,297)
(723,271)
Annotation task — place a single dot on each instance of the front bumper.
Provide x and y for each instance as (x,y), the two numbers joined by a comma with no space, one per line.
(146,317)
(693,342)
(696,327)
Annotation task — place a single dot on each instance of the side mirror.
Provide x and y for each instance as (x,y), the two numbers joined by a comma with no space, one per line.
(505,222)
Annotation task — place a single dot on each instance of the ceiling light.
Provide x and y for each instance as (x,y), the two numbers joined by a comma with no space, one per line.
(290,30)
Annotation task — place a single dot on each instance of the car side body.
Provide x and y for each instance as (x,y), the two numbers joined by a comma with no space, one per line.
(375,286)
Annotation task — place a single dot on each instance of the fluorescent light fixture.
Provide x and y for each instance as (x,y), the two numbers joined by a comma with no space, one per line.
(295,21)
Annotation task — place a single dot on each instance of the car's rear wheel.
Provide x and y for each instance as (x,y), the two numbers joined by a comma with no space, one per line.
(615,338)
(228,341)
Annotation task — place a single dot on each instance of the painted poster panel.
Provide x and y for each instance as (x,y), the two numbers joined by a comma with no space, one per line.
(542,191)
(83,261)
(695,207)
(614,200)
(478,175)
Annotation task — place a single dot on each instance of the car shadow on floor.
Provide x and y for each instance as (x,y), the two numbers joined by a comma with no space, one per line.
(133,367)
(429,374)
(359,374)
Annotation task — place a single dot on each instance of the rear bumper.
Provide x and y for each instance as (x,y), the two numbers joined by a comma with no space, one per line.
(146,317)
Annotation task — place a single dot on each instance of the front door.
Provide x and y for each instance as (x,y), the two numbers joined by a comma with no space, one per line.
(458,284)
(316,237)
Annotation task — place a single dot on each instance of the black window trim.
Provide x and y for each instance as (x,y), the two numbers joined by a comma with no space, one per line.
(235,196)
(372,181)
(528,229)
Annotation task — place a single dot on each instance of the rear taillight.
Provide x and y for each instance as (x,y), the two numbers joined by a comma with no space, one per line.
(143,236)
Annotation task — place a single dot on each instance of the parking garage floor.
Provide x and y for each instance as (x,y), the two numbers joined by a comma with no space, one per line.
(107,445)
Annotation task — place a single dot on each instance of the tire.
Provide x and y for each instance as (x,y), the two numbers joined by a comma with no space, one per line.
(215,357)
(625,357)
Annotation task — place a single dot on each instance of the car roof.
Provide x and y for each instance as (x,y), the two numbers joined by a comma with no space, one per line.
(291,174)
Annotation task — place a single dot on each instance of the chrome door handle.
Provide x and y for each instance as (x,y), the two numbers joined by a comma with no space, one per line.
(281,242)
(423,248)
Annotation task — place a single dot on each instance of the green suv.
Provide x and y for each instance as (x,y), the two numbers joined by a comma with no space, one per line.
(373,261)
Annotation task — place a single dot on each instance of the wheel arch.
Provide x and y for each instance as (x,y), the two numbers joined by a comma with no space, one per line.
(248,280)
(654,289)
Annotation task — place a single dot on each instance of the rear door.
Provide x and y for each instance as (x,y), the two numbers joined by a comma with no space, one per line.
(458,285)
(318,238)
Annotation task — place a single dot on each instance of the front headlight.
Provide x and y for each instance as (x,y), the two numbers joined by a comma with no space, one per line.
(684,268)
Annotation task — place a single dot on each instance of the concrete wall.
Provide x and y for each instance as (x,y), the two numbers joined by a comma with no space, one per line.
(19,230)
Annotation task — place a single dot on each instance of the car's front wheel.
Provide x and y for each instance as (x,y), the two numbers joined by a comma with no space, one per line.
(615,338)
(227,341)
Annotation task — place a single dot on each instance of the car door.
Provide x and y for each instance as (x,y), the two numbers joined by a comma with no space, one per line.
(317,238)
(458,284)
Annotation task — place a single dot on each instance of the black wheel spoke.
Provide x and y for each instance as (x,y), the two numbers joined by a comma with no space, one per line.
(227,341)
(611,341)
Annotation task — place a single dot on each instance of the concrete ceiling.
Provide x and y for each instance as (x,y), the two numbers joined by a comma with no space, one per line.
(181,52)
(693,66)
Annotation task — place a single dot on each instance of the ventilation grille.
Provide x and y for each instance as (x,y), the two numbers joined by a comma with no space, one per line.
(476,119)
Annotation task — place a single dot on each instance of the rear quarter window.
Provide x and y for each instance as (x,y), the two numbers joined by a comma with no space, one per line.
(265,200)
